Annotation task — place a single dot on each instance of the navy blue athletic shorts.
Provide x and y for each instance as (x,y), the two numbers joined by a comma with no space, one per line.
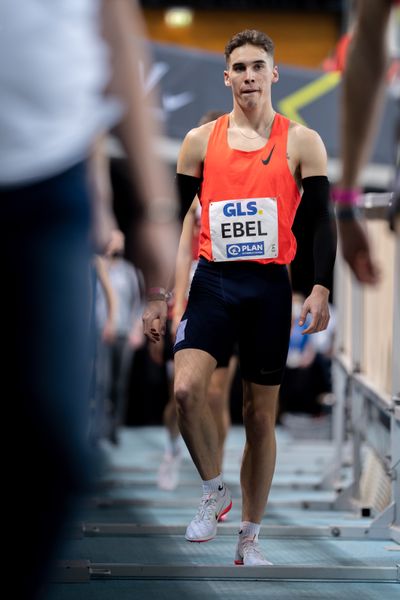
(244,302)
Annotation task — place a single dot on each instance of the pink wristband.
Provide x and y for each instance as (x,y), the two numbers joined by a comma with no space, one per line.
(155,291)
(346,197)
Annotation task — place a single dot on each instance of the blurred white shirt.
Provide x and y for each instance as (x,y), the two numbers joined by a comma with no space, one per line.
(53,69)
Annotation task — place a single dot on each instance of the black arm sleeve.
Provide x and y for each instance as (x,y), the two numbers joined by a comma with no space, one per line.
(315,226)
(187,187)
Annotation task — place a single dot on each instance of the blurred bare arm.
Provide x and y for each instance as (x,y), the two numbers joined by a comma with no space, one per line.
(363,98)
(363,86)
(157,232)
(108,332)
(103,219)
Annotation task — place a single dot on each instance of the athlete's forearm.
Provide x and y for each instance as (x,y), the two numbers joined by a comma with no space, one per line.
(315,200)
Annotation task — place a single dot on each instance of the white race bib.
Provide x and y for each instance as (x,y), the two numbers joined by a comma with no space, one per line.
(244,229)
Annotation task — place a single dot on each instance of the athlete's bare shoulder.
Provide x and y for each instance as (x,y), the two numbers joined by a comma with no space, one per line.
(307,149)
(194,149)
(301,134)
(200,135)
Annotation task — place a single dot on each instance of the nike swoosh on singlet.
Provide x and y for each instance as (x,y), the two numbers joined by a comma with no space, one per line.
(265,161)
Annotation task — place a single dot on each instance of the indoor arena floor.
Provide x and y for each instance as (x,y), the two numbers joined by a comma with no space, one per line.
(128,541)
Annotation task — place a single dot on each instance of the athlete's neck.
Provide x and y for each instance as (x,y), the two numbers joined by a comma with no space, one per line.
(257,123)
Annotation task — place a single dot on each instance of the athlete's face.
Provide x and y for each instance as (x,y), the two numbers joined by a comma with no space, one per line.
(250,73)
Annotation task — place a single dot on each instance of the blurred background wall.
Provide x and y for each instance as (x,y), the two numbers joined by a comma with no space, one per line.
(302,37)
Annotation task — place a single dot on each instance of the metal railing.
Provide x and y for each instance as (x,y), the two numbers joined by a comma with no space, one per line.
(366,369)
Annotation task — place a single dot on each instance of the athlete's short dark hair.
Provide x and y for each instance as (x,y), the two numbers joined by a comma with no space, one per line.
(250,36)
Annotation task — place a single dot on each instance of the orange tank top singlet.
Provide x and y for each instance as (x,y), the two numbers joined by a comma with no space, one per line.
(249,199)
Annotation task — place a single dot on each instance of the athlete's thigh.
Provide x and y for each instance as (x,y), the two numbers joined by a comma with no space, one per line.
(208,323)
(193,369)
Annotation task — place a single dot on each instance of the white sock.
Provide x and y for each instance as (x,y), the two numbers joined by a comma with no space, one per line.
(173,445)
(213,485)
(249,530)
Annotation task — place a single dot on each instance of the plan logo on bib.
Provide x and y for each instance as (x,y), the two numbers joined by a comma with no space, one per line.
(244,229)
(244,249)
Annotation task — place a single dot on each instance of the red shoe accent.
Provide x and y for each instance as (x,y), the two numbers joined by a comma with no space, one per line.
(226,510)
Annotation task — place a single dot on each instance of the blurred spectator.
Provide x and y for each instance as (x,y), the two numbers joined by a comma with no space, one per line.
(105,331)
(337,60)
(307,377)
(119,340)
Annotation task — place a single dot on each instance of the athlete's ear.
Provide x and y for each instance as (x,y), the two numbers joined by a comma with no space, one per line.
(227,80)
(275,74)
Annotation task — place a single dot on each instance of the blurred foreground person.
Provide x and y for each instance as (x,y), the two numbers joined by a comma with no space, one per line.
(62,86)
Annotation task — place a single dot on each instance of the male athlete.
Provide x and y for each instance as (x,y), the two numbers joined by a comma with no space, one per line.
(251,169)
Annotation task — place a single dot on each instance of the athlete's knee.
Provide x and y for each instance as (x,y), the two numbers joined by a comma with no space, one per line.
(186,396)
(182,397)
(258,419)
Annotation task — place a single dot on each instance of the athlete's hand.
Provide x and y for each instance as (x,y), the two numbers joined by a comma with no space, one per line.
(317,305)
(356,251)
(154,319)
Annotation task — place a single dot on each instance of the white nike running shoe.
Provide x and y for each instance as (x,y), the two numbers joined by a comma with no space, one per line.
(168,473)
(212,507)
(249,553)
